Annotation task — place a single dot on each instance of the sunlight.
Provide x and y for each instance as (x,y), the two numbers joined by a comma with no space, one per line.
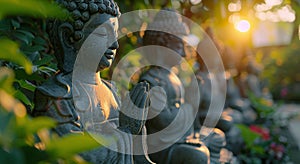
(275,11)
(273,2)
(242,26)
(195,2)
(235,7)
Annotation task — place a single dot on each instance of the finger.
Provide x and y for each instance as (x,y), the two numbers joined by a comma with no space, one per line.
(137,89)
(140,97)
(151,81)
(142,100)
(146,85)
(134,91)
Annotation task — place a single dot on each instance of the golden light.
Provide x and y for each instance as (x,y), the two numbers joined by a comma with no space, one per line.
(242,26)
(235,7)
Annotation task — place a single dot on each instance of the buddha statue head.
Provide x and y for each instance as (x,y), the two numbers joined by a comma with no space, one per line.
(67,37)
(171,36)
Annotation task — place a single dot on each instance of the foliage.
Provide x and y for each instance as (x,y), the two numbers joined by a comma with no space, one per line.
(34,8)
(10,52)
(264,107)
(28,55)
(28,140)
(24,139)
(264,140)
(282,63)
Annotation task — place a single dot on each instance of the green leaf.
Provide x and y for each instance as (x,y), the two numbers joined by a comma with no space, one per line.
(15,23)
(6,79)
(32,52)
(4,123)
(35,8)
(22,37)
(33,155)
(39,41)
(71,144)
(10,52)
(13,156)
(31,126)
(32,56)
(26,33)
(22,97)
(46,69)
(258,149)
(9,103)
(20,74)
(248,135)
(5,25)
(26,85)
(37,48)
(45,60)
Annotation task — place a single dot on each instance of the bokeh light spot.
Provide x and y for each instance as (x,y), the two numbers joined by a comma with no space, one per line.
(242,26)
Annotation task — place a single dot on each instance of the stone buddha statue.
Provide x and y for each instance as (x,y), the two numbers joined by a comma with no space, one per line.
(167,94)
(78,99)
(236,105)
(249,77)
(217,138)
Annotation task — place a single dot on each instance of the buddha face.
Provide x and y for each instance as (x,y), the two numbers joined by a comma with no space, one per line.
(177,45)
(102,39)
(170,53)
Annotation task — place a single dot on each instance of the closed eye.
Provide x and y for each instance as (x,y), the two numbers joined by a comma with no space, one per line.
(100,34)
(101,31)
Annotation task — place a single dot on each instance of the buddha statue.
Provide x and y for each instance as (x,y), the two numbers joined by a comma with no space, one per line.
(249,77)
(236,106)
(216,139)
(166,50)
(87,102)
(226,121)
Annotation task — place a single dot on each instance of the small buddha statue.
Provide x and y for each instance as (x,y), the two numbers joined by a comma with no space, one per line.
(89,102)
(167,93)
(216,140)
(236,106)
(249,77)
(226,121)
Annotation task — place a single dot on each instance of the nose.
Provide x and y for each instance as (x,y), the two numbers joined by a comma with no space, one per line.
(114,45)
(183,53)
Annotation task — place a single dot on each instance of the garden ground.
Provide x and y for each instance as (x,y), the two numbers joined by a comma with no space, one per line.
(293,134)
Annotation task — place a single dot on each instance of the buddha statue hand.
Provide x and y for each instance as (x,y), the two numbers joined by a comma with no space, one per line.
(134,109)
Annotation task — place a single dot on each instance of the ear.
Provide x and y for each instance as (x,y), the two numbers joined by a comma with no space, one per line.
(65,34)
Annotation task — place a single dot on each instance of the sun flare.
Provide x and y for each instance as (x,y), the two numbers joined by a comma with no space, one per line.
(243,26)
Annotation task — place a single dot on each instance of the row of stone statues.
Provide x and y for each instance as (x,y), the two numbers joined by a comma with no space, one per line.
(79,100)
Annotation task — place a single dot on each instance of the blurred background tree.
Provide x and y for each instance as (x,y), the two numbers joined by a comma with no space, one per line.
(237,24)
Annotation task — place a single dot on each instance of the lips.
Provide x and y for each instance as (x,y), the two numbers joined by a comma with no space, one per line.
(109,54)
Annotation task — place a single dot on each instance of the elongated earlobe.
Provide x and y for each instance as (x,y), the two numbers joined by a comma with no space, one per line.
(65,33)
(65,36)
